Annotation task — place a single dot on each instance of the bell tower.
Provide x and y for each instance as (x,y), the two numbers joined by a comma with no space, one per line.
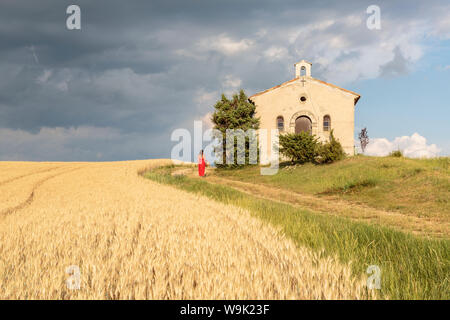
(303,68)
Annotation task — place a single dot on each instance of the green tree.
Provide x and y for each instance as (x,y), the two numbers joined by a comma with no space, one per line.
(331,151)
(237,113)
(299,148)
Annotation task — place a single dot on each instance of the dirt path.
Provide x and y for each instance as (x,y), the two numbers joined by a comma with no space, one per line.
(329,205)
(132,238)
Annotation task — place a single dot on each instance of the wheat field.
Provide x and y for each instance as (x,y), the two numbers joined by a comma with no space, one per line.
(132,238)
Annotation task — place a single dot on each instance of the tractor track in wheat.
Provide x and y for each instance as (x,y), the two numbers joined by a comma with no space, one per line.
(30,198)
(26,175)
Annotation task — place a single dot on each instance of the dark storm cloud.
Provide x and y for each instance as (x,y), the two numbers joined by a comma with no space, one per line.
(139,69)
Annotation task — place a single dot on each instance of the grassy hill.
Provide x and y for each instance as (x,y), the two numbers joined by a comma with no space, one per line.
(416,187)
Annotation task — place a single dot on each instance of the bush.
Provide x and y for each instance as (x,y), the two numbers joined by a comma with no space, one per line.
(331,151)
(396,153)
(303,147)
(300,148)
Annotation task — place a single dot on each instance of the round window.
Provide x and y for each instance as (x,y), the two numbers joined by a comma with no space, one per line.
(302,98)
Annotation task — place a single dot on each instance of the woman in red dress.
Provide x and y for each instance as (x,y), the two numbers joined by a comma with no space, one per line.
(201,164)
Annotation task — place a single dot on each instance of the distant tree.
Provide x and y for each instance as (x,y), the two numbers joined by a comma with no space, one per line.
(237,113)
(397,153)
(363,139)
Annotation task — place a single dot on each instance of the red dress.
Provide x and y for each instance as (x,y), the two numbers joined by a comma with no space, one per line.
(201,166)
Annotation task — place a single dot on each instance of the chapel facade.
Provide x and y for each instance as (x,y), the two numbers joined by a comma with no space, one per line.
(308,104)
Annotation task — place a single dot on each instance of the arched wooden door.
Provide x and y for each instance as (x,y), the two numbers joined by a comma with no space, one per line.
(303,124)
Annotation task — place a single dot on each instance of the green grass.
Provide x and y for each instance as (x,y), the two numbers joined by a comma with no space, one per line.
(419,187)
(412,267)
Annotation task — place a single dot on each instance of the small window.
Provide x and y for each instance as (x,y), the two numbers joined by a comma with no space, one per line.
(280,123)
(302,98)
(302,71)
(326,123)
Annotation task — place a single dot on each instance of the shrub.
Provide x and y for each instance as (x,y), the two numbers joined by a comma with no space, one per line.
(300,148)
(331,151)
(396,153)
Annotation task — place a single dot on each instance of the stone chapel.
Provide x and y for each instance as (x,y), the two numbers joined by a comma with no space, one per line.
(308,104)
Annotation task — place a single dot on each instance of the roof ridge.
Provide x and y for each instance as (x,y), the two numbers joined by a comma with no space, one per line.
(297,78)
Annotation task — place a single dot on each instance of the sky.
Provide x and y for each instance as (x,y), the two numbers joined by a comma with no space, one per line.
(138,70)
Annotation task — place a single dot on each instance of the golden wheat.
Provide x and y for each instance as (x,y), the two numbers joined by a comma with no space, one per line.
(133,238)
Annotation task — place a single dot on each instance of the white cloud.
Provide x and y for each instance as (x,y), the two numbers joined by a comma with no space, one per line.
(353,21)
(441,26)
(225,44)
(297,32)
(341,47)
(276,53)
(343,50)
(205,98)
(231,82)
(206,119)
(414,146)
(230,46)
